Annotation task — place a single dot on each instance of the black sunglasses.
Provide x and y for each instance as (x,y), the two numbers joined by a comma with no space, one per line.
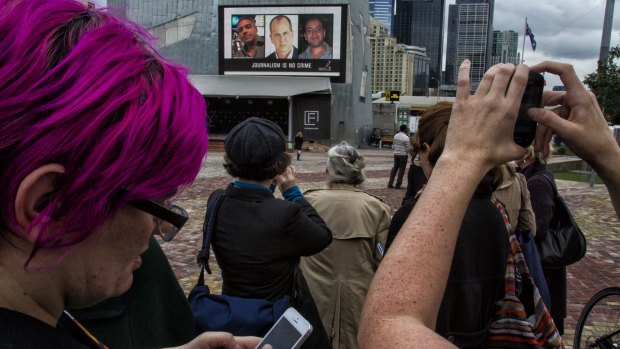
(170,218)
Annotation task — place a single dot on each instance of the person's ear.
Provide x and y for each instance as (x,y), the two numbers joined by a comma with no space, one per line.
(35,192)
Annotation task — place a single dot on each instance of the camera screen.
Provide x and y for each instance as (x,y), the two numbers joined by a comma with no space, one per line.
(532,96)
(282,336)
(525,128)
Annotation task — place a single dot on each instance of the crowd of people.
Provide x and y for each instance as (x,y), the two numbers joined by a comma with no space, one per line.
(99,133)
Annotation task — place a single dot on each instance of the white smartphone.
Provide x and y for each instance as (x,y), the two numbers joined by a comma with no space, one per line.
(289,332)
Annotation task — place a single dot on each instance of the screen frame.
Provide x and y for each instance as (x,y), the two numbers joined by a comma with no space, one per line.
(295,67)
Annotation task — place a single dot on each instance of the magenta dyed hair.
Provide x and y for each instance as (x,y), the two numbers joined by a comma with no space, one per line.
(85,89)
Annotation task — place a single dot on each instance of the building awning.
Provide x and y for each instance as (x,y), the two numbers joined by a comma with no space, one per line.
(258,86)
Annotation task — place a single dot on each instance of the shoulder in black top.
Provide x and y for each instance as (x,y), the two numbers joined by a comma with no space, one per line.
(25,332)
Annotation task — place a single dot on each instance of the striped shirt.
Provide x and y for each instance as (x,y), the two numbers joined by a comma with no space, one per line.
(401,144)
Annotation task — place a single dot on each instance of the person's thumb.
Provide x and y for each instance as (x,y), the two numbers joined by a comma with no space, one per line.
(549,119)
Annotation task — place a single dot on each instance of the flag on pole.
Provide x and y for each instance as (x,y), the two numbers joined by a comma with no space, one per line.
(529,33)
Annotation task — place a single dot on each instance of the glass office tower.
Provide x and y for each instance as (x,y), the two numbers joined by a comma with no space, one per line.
(381,11)
(420,23)
(470,36)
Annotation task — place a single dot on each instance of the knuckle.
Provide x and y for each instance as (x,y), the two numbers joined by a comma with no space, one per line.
(463,83)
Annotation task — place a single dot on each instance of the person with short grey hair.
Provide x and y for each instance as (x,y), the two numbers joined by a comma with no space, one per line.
(345,165)
(340,275)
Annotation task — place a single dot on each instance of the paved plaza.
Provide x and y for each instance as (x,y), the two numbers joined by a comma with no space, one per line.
(590,206)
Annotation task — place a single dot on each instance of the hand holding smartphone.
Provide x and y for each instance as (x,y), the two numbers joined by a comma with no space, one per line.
(289,332)
(525,128)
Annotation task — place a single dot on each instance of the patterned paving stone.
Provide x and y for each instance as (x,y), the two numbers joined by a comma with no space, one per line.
(590,206)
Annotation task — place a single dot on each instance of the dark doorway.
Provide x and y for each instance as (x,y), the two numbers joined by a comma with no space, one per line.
(223,113)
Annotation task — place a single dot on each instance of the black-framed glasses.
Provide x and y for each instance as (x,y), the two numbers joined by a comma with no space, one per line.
(170,217)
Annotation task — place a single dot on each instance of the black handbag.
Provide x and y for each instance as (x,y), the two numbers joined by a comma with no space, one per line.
(564,243)
(303,301)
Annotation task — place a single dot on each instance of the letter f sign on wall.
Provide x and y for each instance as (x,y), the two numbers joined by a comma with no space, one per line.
(311,119)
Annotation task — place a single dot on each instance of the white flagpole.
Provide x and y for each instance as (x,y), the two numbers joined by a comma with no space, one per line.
(523,47)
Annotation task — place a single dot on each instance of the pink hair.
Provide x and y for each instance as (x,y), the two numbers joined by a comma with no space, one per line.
(86,89)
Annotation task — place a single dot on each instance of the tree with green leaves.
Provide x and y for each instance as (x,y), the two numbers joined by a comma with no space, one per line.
(605,84)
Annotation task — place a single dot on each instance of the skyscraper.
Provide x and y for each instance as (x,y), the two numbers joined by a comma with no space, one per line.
(451,68)
(505,45)
(381,11)
(471,35)
(420,23)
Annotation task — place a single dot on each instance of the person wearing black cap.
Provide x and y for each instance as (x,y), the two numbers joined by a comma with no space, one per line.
(258,239)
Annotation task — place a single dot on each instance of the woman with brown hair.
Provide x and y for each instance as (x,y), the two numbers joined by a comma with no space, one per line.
(476,279)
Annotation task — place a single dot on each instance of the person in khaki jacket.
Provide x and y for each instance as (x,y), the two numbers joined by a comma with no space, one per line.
(339,276)
(513,193)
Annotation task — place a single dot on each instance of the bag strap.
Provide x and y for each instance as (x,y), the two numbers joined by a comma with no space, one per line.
(213,205)
(555,188)
(515,254)
(557,198)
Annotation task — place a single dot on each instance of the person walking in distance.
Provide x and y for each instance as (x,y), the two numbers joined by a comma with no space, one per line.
(401,146)
(299,141)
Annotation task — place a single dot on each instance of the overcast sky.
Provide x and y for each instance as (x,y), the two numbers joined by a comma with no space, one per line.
(565,30)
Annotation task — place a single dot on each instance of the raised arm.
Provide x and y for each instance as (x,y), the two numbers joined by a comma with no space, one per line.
(304,224)
(404,298)
(578,119)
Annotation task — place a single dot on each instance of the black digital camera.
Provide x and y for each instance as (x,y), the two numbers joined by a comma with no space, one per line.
(525,128)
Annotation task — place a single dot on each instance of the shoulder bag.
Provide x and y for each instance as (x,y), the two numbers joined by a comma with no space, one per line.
(237,315)
(564,243)
(527,242)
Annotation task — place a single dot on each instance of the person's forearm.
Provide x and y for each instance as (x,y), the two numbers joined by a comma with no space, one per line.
(404,298)
(608,168)
(407,289)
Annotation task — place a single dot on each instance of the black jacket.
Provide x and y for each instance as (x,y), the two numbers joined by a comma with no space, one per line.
(476,279)
(154,313)
(259,239)
(295,54)
(542,197)
(299,141)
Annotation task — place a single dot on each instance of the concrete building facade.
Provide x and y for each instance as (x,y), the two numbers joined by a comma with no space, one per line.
(188,33)
(394,65)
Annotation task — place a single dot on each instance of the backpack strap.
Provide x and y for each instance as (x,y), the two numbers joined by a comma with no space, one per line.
(213,205)
(552,182)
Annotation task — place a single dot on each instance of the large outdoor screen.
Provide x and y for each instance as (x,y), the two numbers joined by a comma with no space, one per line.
(284,40)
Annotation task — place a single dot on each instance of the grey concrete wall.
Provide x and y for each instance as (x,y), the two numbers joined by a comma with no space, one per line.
(351,111)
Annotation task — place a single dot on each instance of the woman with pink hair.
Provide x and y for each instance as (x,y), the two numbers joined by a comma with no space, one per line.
(97,135)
